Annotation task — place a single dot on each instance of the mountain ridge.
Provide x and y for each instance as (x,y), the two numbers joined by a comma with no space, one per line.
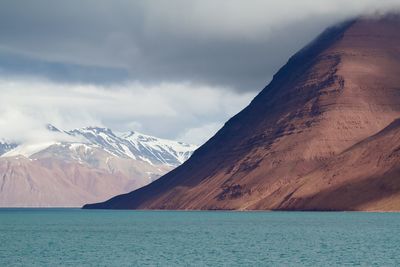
(130,144)
(331,95)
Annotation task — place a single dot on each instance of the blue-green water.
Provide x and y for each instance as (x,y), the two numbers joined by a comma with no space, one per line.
(53,237)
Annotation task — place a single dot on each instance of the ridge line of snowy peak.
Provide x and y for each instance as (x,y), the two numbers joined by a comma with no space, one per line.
(133,145)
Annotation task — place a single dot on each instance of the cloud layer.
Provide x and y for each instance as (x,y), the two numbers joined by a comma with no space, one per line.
(176,69)
(230,43)
(180,111)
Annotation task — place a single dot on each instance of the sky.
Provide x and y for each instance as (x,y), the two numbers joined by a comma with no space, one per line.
(175,69)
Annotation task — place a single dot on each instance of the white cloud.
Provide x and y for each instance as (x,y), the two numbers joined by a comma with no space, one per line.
(199,135)
(191,112)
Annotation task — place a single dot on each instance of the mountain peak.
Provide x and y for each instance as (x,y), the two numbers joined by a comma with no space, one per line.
(52,128)
(96,129)
(339,90)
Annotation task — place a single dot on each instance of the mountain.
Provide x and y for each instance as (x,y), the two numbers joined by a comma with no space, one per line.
(372,166)
(323,135)
(70,168)
(5,146)
(138,146)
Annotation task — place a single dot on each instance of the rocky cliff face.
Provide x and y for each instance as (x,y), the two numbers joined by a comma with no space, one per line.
(299,143)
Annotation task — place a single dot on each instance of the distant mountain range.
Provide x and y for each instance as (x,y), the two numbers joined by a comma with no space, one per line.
(323,135)
(70,168)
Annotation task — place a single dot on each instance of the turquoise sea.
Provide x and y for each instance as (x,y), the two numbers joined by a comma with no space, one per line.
(73,237)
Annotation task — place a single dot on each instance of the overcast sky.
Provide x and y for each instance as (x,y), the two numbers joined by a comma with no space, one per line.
(173,69)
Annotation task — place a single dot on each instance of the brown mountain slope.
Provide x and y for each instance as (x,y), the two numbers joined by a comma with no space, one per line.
(336,92)
(55,183)
(363,177)
(69,175)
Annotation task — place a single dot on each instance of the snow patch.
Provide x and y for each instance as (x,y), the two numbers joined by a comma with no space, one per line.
(28,149)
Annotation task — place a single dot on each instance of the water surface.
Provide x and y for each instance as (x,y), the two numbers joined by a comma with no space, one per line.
(73,237)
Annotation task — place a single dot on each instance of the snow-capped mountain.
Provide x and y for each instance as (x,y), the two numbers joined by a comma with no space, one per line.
(137,146)
(70,168)
(132,145)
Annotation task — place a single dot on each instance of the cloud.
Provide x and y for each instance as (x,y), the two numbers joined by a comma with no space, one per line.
(198,135)
(175,69)
(183,111)
(236,44)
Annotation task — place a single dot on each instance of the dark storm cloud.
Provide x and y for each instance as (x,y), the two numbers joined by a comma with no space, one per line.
(234,44)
